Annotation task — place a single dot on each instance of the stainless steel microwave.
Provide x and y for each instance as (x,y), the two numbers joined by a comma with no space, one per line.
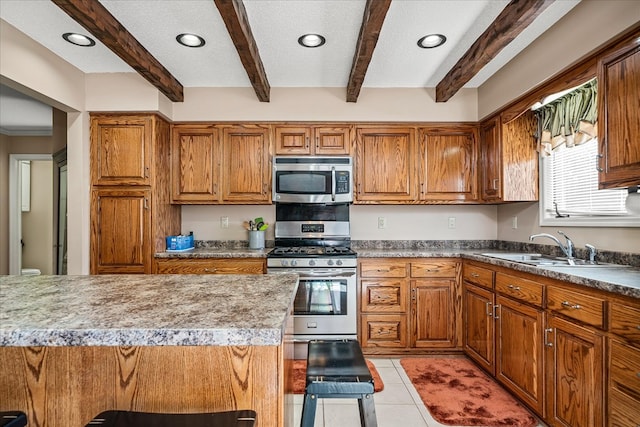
(312,179)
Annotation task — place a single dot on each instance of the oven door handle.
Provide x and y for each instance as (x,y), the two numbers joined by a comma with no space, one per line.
(328,274)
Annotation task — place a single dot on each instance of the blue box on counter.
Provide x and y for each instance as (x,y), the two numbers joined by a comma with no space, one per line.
(180,243)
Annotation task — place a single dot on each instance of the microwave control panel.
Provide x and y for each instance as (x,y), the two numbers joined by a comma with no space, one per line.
(342,182)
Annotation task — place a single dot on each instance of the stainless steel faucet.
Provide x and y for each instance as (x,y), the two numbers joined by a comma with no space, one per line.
(592,253)
(567,250)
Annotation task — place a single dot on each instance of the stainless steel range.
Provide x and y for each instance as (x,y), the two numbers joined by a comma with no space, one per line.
(313,241)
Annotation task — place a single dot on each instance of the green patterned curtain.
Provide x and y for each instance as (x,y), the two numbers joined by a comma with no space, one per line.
(569,120)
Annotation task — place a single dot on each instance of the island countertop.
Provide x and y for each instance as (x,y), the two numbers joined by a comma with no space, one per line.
(145,310)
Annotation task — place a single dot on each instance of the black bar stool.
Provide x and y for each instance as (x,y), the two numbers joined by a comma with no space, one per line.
(13,419)
(244,418)
(337,369)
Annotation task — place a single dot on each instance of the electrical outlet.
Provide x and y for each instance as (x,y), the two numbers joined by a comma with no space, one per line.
(382,222)
(452,222)
(224,222)
(514,222)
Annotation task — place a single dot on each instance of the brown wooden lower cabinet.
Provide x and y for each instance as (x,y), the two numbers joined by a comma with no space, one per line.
(479,331)
(211,266)
(408,305)
(575,374)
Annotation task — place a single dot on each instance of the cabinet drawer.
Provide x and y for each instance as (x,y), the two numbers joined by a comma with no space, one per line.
(625,322)
(585,308)
(382,268)
(624,411)
(384,296)
(433,269)
(211,266)
(624,368)
(519,288)
(384,330)
(478,275)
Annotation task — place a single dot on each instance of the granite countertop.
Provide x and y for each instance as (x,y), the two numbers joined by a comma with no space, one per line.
(623,280)
(145,310)
(207,252)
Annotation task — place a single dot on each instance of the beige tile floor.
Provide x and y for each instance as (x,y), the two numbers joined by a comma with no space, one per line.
(398,405)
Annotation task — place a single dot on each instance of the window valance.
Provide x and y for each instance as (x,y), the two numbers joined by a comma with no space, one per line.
(569,120)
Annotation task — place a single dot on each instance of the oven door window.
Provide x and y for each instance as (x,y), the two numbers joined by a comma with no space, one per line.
(321,297)
(303,182)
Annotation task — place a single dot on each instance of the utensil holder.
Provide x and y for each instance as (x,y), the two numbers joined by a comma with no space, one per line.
(256,239)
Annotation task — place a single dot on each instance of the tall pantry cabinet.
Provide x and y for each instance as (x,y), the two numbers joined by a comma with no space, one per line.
(131,212)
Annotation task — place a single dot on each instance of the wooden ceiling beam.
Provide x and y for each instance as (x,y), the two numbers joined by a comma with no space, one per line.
(93,16)
(375,12)
(513,19)
(235,18)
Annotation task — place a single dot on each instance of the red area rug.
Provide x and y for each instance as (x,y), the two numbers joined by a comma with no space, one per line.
(456,392)
(300,378)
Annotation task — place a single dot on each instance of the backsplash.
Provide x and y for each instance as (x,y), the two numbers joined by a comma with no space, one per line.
(623,258)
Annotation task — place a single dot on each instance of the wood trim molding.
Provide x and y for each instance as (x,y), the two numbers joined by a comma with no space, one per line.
(93,16)
(513,19)
(374,14)
(235,18)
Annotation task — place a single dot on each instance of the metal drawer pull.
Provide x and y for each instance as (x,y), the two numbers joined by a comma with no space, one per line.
(638,327)
(515,288)
(475,275)
(569,305)
(489,304)
(210,270)
(495,311)
(546,341)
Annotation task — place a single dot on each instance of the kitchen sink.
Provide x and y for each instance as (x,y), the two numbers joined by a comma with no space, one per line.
(547,260)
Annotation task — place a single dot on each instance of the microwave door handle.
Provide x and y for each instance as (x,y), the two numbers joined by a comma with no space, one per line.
(333,183)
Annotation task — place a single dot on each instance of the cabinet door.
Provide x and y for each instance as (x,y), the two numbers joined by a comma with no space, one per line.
(433,313)
(246,175)
(383,295)
(383,330)
(575,375)
(292,139)
(490,162)
(519,351)
(479,326)
(195,169)
(332,140)
(120,231)
(619,117)
(448,159)
(120,150)
(520,159)
(385,159)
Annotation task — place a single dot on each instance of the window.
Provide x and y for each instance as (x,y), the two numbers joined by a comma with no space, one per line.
(569,181)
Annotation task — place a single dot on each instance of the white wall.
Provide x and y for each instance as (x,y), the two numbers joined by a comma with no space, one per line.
(473,222)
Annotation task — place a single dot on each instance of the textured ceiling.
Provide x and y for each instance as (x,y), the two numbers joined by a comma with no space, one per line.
(276,25)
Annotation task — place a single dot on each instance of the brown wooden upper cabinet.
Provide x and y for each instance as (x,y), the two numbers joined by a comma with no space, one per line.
(448,158)
(509,159)
(385,165)
(312,140)
(227,164)
(120,150)
(619,117)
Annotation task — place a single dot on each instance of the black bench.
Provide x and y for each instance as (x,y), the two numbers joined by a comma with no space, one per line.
(13,419)
(337,369)
(244,418)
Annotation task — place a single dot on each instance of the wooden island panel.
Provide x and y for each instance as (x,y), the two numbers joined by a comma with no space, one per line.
(68,386)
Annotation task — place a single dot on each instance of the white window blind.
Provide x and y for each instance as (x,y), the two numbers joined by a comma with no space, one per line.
(570,179)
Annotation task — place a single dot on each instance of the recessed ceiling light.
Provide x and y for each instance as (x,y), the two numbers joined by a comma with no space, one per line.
(311,40)
(79,39)
(432,40)
(190,40)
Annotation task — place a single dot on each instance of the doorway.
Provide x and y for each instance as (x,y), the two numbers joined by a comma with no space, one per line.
(32,231)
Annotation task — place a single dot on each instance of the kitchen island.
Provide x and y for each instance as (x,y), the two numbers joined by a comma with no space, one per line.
(73,346)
